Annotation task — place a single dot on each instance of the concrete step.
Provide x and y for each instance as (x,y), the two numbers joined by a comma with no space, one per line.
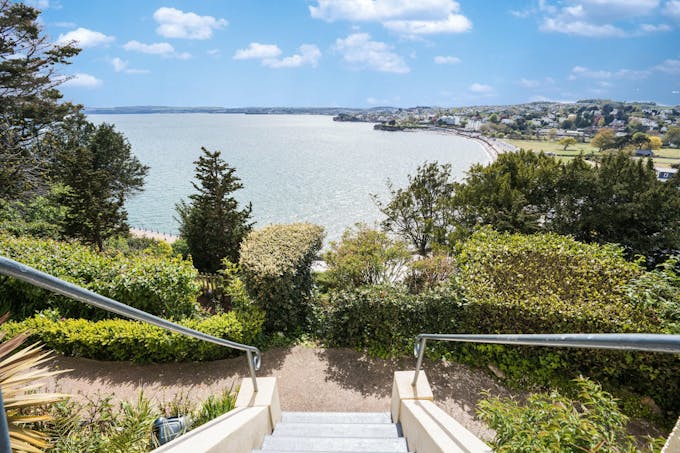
(336,417)
(334,444)
(366,430)
(327,451)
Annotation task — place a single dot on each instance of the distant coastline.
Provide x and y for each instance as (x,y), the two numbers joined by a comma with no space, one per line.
(152,109)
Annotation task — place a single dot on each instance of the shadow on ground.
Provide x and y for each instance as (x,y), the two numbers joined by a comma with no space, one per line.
(309,379)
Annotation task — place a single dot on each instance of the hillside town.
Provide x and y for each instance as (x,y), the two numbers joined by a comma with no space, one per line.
(537,120)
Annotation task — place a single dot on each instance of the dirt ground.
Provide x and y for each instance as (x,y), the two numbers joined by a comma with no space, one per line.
(309,379)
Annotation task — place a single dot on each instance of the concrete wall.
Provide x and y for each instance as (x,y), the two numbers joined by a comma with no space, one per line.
(426,427)
(240,430)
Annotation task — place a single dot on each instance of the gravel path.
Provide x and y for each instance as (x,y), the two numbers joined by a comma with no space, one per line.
(309,378)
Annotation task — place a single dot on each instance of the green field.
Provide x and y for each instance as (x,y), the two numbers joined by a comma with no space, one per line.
(664,157)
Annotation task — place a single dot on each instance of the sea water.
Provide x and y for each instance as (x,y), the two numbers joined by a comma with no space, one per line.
(294,168)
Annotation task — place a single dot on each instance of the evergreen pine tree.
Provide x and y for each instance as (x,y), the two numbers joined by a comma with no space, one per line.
(211,222)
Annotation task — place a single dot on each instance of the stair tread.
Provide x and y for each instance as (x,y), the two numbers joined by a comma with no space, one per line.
(339,444)
(348,430)
(336,417)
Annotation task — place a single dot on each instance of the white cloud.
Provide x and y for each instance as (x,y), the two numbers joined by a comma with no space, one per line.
(580,28)
(580,72)
(651,28)
(526,83)
(173,23)
(672,9)
(268,54)
(120,65)
(409,17)
(255,50)
(39,4)
(162,49)
(480,88)
(669,67)
(362,53)
(85,38)
(309,55)
(454,23)
(81,80)
(598,18)
(446,60)
(213,52)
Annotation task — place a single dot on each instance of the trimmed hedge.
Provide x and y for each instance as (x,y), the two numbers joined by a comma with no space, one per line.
(119,339)
(546,283)
(384,319)
(163,286)
(276,265)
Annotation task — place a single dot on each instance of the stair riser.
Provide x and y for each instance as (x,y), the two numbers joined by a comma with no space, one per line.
(382,430)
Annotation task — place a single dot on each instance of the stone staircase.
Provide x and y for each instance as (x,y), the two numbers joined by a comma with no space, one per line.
(331,432)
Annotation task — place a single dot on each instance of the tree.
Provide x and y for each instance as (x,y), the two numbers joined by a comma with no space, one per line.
(418,213)
(567,142)
(97,165)
(211,222)
(365,257)
(620,201)
(672,136)
(640,140)
(29,99)
(511,194)
(655,142)
(604,139)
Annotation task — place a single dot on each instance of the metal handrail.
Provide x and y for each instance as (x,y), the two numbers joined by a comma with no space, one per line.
(41,279)
(620,341)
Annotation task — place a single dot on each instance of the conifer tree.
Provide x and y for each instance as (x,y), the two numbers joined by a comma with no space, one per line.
(29,99)
(211,222)
(100,171)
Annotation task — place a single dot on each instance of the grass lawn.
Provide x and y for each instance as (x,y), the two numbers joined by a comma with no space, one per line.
(553,147)
(664,157)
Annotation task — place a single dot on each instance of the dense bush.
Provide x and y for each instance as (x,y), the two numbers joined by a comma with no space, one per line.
(159,285)
(365,257)
(385,319)
(276,266)
(555,423)
(119,339)
(553,284)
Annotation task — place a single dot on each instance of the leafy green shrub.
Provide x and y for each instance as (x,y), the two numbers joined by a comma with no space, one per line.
(384,319)
(119,339)
(550,422)
(365,257)
(131,246)
(159,285)
(547,282)
(553,284)
(276,266)
(213,407)
(429,272)
(99,426)
(43,216)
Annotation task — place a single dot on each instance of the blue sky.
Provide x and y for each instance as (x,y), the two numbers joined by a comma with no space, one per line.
(362,53)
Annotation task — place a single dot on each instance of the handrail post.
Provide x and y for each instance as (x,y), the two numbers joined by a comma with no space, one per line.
(418,351)
(251,366)
(5,444)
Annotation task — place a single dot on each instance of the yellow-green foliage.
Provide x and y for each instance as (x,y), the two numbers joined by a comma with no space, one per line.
(161,285)
(551,422)
(546,283)
(119,339)
(276,265)
(530,283)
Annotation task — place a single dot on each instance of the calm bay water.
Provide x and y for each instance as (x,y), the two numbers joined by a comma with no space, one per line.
(293,167)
